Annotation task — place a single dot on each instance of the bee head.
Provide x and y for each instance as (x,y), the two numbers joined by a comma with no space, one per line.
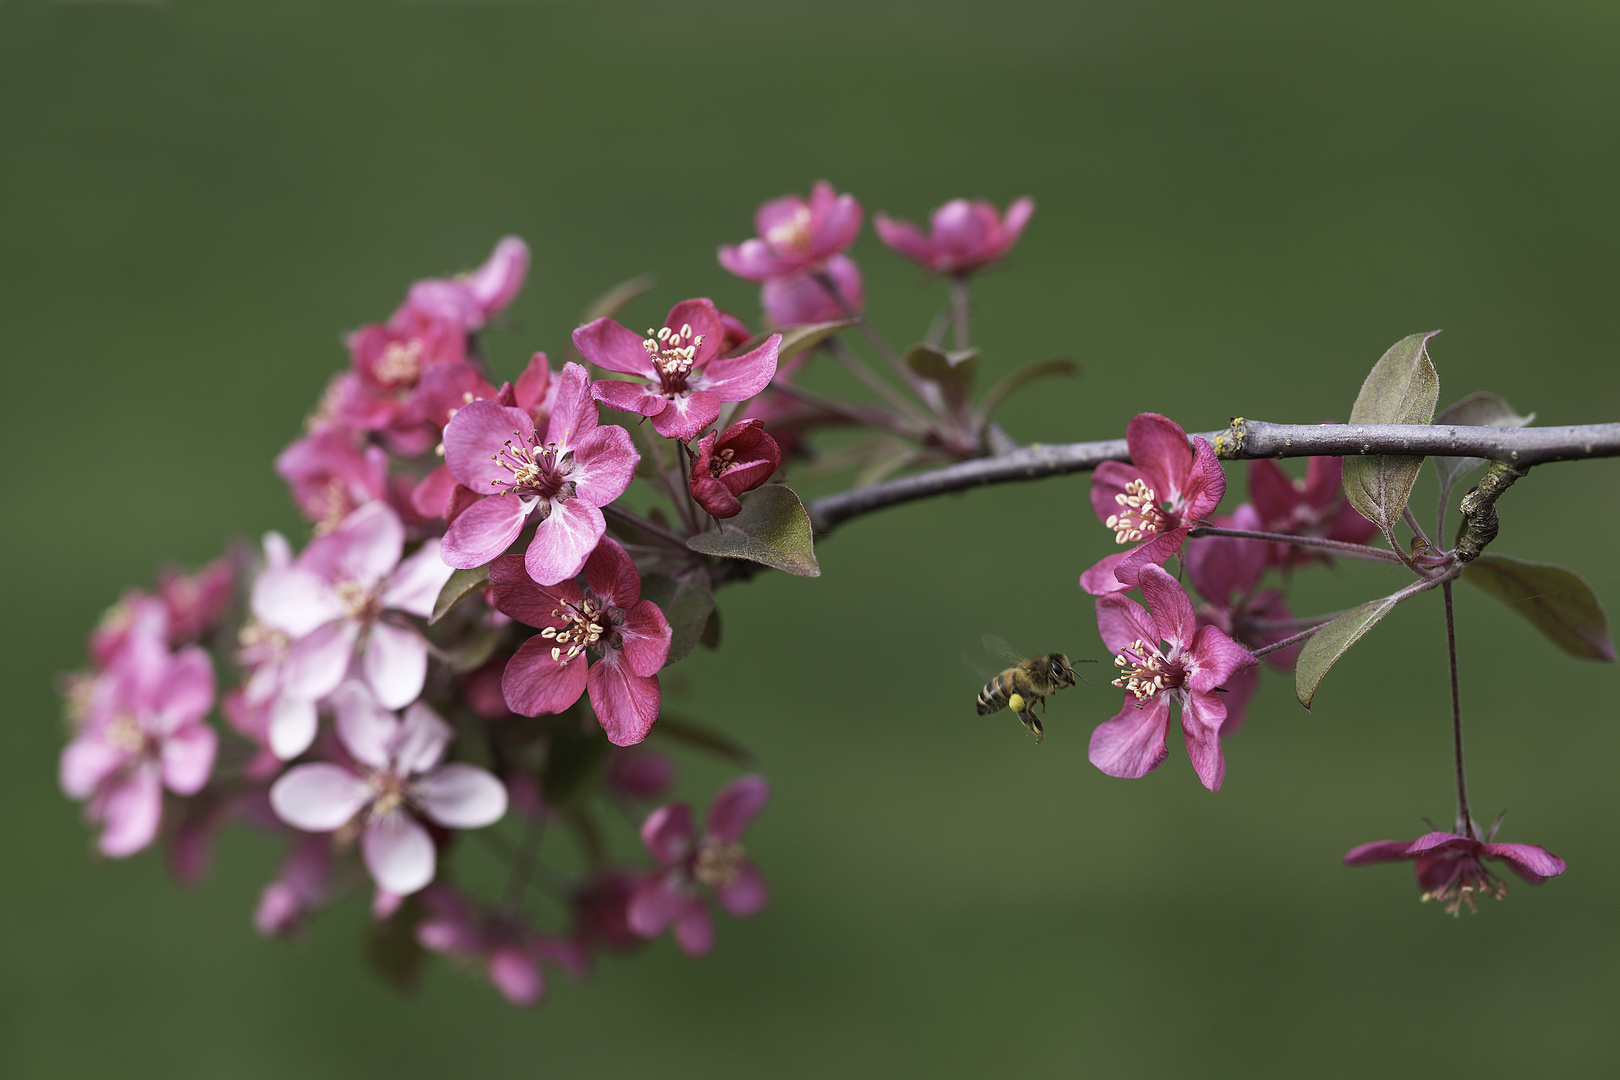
(1058,665)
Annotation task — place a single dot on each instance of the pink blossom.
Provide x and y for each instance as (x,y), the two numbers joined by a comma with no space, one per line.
(1315,506)
(795,234)
(622,638)
(394,782)
(602,911)
(715,860)
(347,596)
(1226,571)
(302,886)
(1166,489)
(726,465)
(137,614)
(144,730)
(1164,658)
(504,943)
(331,475)
(638,773)
(966,236)
(804,299)
(1449,866)
(195,602)
(468,300)
(494,450)
(689,378)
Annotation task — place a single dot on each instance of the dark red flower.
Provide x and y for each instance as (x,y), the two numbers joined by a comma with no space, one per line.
(1449,867)
(740,460)
(1314,506)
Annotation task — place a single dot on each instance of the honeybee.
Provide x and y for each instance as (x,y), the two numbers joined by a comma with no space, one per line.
(1026,683)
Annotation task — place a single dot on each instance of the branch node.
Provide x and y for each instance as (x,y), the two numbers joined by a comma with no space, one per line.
(1480,523)
(1229,443)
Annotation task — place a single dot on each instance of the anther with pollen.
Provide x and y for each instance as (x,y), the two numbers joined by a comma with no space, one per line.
(1139,515)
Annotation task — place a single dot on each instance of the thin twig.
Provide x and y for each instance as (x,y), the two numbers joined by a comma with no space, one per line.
(1465,821)
(960,309)
(1338,547)
(858,368)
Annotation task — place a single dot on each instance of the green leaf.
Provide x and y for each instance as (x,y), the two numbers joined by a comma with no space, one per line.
(1476,410)
(392,951)
(711,631)
(1323,648)
(1046,369)
(1402,388)
(460,585)
(951,371)
(1556,601)
(471,653)
(614,300)
(795,339)
(687,601)
(700,737)
(772,529)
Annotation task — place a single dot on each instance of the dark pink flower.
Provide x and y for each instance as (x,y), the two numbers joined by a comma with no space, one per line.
(468,300)
(144,730)
(394,782)
(603,638)
(1154,501)
(343,599)
(966,236)
(195,602)
(795,234)
(135,615)
(1315,506)
(602,911)
(726,465)
(715,861)
(504,943)
(495,450)
(302,887)
(1226,571)
(689,379)
(1164,658)
(331,475)
(1449,866)
(638,773)
(804,299)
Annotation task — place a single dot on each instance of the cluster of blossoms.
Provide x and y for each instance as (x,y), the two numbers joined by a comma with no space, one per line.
(1205,658)
(472,639)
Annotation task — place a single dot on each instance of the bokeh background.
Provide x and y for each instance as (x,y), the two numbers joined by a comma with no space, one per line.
(1240,207)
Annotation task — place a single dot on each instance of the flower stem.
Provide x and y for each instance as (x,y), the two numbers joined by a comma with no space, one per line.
(858,368)
(959,309)
(1338,547)
(1292,639)
(830,287)
(1465,821)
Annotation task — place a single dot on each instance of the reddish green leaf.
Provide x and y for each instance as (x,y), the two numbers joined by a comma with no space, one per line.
(796,339)
(951,371)
(772,529)
(1476,410)
(1323,649)
(1402,388)
(687,602)
(461,584)
(1555,601)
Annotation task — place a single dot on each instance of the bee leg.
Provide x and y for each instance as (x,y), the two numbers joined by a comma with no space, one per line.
(1034,725)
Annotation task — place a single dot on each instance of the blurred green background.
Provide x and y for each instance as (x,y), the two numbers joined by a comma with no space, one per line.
(1240,207)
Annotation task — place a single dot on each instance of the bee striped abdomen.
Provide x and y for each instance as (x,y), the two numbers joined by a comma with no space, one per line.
(993,698)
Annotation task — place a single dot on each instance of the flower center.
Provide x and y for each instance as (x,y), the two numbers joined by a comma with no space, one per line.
(793,235)
(721,461)
(538,471)
(673,352)
(1139,514)
(261,643)
(717,865)
(1144,671)
(584,627)
(399,365)
(363,604)
(389,792)
(1468,880)
(125,734)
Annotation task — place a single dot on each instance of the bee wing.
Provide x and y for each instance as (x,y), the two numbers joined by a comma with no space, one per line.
(981,668)
(1001,652)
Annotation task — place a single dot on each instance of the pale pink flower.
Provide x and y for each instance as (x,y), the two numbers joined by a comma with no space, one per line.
(347,596)
(137,614)
(331,475)
(622,638)
(565,478)
(966,236)
(804,298)
(715,860)
(689,378)
(1164,658)
(144,731)
(795,234)
(395,781)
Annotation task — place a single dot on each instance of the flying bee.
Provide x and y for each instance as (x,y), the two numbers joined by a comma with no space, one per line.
(1025,684)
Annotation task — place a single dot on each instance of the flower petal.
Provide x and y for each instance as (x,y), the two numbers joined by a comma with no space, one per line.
(1377,851)
(685,415)
(460,796)
(735,805)
(574,412)
(626,704)
(613,347)
(1159,448)
(645,636)
(188,757)
(744,894)
(1533,863)
(1154,552)
(415,583)
(187,692)
(1201,718)
(516,976)
(1108,485)
(484,530)
(319,797)
(475,437)
(1216,658)
(395,664)
(1172,612)
(604,464)
(629,397)
(316,663)
(398,852)
(364,548)
(1100,579)
(1205,486)
(518,596)
(292,726)
(668,834)
(130,811)
(86,762)
(422,740)
(534,684)
(704,319)
(694,928)
(1132,744)
(612,574)
(655,903)
(295,600)
(739,378)
(564,540)
(1122,621)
